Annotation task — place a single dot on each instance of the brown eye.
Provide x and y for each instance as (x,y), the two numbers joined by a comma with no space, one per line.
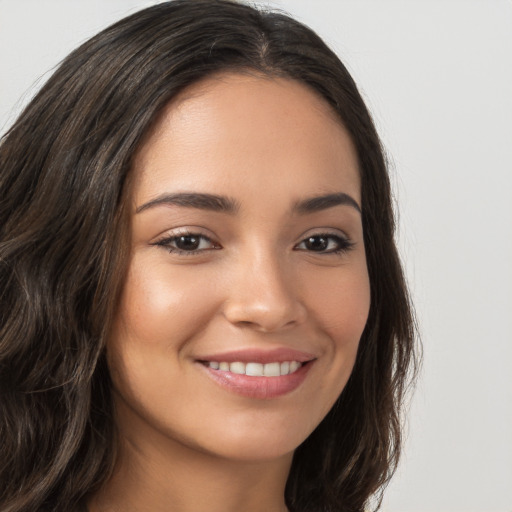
(316,243)
(325,243)
(187,242)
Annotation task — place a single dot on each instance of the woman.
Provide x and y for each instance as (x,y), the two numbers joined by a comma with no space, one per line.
(202,304)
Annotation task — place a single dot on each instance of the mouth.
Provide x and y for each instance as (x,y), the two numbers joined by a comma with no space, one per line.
(254,369)
(256,374)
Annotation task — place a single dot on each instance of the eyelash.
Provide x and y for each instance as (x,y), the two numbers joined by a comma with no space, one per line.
(344,244)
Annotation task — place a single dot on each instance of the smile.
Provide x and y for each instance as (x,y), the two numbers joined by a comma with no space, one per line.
(263,381)
(253,369)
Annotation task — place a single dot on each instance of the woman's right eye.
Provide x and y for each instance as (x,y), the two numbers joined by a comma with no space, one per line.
(188,244)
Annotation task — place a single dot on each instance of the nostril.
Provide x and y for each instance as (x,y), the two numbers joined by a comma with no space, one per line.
(265,326)
(267,313)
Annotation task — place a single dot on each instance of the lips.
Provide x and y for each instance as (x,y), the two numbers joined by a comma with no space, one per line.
(260,356)
(258,374)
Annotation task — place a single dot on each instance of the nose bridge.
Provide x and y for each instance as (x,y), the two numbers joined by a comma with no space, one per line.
(263,291)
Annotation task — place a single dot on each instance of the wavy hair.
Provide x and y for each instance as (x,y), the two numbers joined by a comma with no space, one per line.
(64,173)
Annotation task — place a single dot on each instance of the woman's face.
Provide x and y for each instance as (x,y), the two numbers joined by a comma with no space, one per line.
(247,257)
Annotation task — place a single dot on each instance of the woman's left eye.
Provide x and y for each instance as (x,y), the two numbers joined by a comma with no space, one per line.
(326,243)
(187,243)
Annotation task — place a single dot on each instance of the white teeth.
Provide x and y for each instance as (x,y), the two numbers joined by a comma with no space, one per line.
(294,366)
(272,370)
(237,368)
(257,369)
(254,369)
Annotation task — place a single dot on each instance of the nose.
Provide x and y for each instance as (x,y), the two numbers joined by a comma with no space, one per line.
(263,295)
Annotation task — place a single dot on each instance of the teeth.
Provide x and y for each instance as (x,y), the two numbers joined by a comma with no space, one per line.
(272,370)
(237,368)
(257,369)
(254,369)
(294,366)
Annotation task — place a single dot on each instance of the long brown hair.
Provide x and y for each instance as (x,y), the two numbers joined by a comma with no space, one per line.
(64,167)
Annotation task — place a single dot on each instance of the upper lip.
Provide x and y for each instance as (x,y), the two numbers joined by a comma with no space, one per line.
(278,355)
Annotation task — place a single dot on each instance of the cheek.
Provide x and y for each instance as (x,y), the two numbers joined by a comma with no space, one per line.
(163,307)
(159,312)
(341,305)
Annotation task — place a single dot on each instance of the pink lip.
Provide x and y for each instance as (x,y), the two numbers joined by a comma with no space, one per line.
(263,388)
(278,355)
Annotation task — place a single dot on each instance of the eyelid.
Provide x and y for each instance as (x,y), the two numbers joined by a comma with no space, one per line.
(166,240)
(345,243)
(325,231)
(184,231)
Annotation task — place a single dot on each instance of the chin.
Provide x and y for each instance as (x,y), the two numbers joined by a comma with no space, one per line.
(251,444)
(253,451)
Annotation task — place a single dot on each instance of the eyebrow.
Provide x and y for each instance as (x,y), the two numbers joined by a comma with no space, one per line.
(223,204)
(197,200)
(318,203)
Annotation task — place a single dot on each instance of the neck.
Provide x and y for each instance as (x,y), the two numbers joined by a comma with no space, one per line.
(154,472)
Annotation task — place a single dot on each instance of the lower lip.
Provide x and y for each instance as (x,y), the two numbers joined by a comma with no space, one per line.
(263,388)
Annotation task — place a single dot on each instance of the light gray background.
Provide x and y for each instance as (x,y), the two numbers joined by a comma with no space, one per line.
(438,78)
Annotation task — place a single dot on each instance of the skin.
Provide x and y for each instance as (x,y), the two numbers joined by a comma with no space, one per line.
(187,443)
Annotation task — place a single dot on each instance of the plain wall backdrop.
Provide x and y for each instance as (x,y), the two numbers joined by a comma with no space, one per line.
(437,76)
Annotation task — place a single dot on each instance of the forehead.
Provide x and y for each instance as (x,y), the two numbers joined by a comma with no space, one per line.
(232,130)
